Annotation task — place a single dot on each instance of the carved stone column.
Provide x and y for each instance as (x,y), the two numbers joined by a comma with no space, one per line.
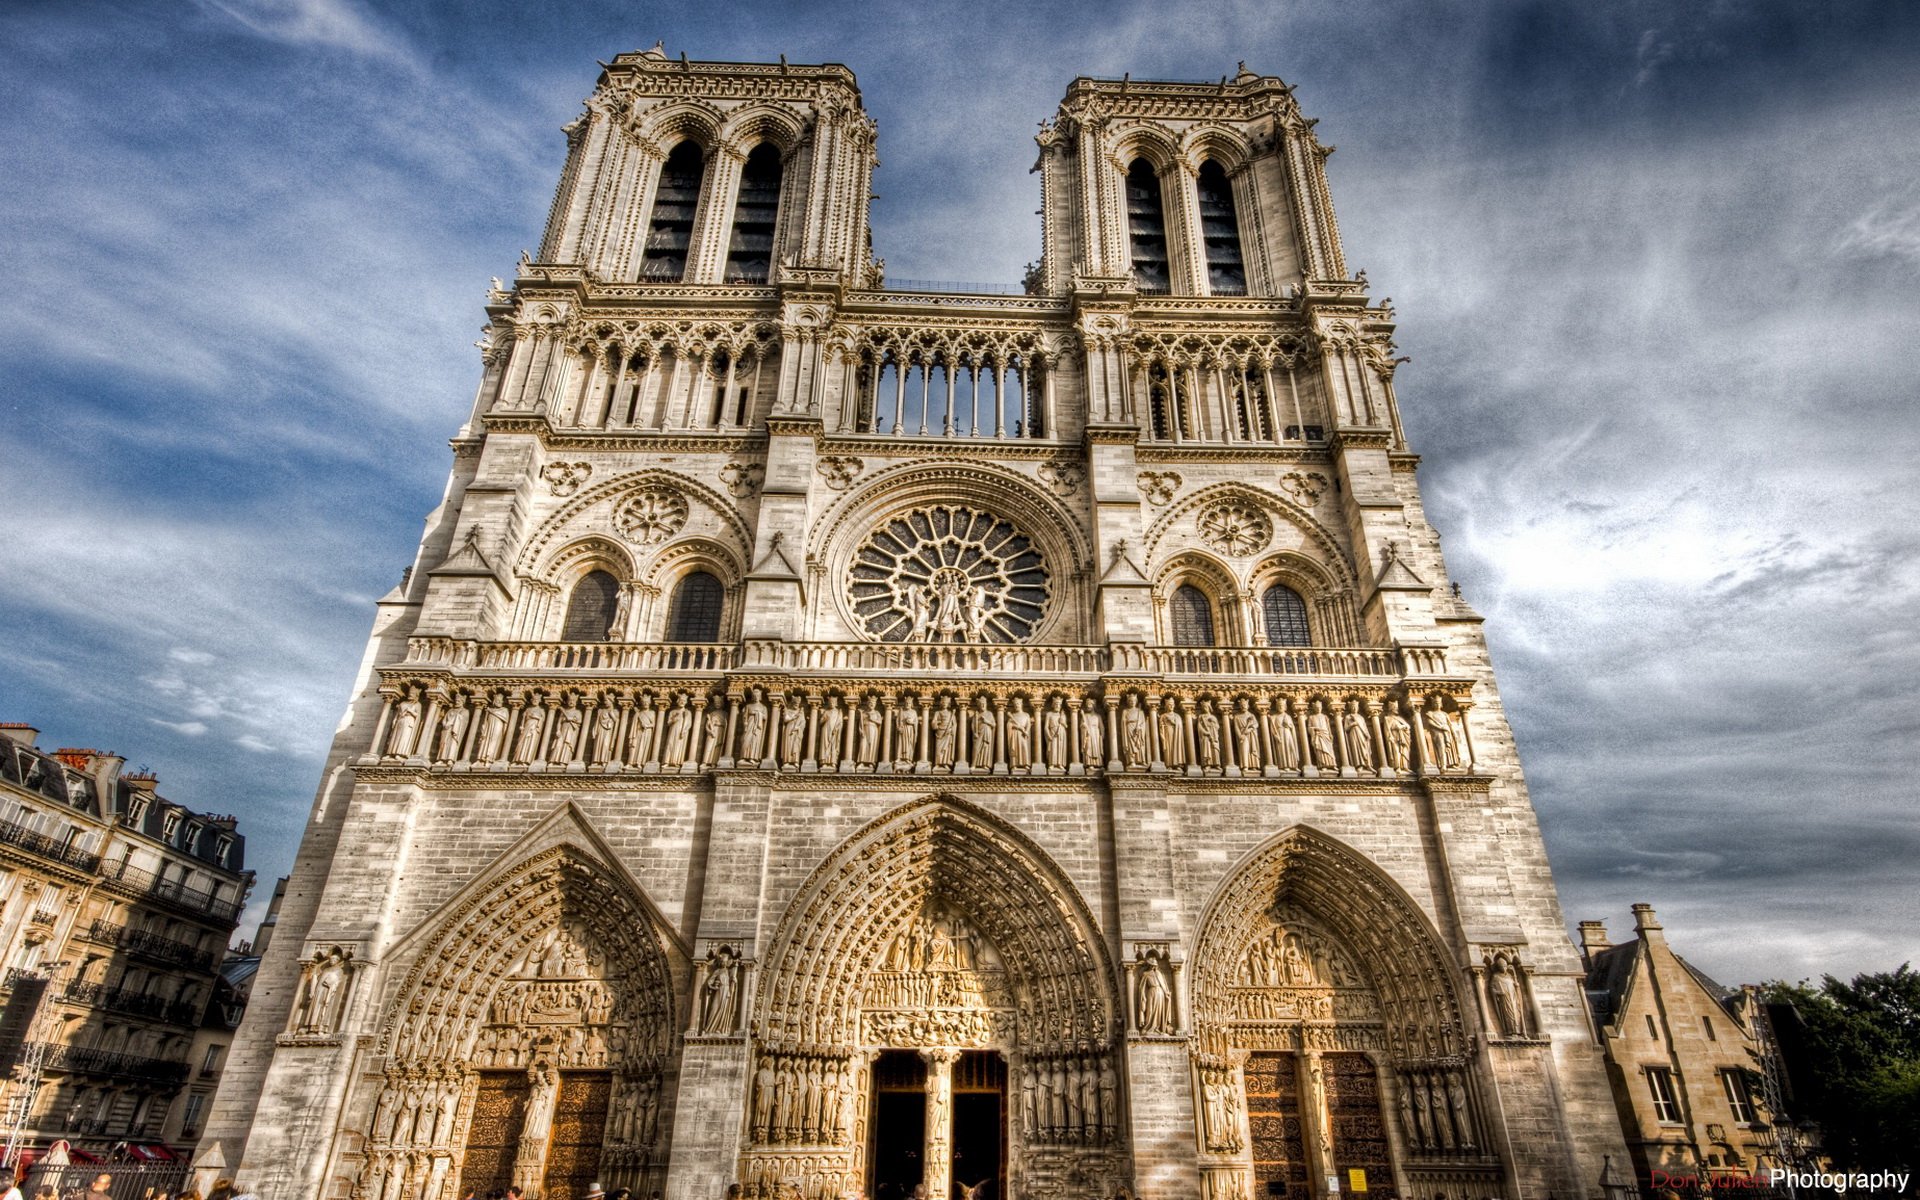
(937,1170)
(1316,1124)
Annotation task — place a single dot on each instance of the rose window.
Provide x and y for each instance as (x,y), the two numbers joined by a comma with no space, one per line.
(1235,527)
(651,515)
(948,573)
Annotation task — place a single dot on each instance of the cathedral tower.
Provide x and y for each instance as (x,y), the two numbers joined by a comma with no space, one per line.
(854,736)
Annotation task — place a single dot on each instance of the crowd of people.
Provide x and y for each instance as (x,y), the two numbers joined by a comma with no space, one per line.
(102,1189)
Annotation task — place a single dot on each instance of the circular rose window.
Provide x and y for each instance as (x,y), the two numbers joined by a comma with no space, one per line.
(948,573)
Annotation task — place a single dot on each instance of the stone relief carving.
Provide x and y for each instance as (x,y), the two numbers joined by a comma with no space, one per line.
(742,478)
(1235,527)
(565,478)
(839,470)
(1304,487)
(1063,475)
(651,515)
(1159,486)
(1154,1006)
(325,981)
(720,991)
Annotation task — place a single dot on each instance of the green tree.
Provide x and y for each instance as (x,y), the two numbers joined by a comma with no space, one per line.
(1858,1065)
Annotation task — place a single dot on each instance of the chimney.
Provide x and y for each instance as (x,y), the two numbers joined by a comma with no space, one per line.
(1644,922)
(1593,939)
(20,733)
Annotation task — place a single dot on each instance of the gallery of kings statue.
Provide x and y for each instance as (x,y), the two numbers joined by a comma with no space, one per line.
(839,737)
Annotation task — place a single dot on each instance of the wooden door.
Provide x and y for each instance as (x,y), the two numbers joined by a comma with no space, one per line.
(493,1136)
(1273,1118)
(1359,1130)
(579,1131)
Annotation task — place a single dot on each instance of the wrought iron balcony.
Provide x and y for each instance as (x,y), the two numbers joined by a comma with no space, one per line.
(13,834)
(151,945)
(140,1004)
(87,1060)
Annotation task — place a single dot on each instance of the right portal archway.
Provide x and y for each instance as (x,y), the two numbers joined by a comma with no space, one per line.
(1331,1041)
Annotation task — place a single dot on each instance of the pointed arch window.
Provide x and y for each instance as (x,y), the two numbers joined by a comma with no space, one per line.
(670,232)
(750,247)
(1147,229)
(693,615)
(1220,229)
(1192,617)
(1284,614)
(591,608)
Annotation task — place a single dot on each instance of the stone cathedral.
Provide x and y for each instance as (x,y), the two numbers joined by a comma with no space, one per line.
(840,737)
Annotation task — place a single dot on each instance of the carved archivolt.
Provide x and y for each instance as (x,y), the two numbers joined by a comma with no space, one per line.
(593,510)
(1309,536)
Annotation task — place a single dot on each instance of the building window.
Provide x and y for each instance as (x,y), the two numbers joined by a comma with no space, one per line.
(1285,615)
(170,827)
(591,609)
(1220,229)
(190,1122)
(1739,1096)
(1653,1031)
(211,1062)
(1192,617)
(1666,1105)
(670,232)
(1147,229)
(694,614)
(1706,1027)
(223,850)
(750,248)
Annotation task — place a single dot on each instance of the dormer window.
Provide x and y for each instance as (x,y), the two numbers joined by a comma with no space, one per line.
(170,828)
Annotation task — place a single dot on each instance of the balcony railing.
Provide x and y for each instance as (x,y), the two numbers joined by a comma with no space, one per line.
(13,834)
(149,886)
(87,1060)
(96,995)
(151,945)
(631,657)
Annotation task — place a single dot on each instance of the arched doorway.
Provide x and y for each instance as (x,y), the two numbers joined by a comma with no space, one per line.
(938,984)
(528,1045)
(1331,1041)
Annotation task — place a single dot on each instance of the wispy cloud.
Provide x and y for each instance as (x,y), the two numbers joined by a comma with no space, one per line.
(327,24)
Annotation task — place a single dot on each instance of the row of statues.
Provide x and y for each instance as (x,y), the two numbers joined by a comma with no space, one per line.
(1057,734)
(1073,1099)
(801,1099)
(1434,1111)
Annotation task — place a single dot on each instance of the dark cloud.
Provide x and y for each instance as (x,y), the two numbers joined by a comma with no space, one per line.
(1655,266)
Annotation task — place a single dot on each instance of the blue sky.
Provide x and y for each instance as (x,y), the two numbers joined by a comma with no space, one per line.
(1657,266)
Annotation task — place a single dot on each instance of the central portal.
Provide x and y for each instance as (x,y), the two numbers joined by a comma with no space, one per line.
(896,1152)
(980,1125)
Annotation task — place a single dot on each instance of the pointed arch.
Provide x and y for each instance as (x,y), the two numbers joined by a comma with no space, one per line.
(947,851)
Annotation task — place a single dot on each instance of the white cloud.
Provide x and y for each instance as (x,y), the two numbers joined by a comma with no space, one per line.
(332,24)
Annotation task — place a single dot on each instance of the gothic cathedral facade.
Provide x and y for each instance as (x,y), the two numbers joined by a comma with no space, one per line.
(840,737)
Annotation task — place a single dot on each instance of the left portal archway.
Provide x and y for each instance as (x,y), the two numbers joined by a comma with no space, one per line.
(529,1043)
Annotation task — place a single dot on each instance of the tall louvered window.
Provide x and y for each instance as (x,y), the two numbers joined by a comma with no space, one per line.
(591,608)
(750,247)
(1147,229)
(670,232)
(1220,229)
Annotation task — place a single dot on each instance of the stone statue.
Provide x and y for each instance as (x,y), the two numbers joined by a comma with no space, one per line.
(1153,989)
(1359,738)
(867,737)
(566,733)
(980,730)
(1320,737)
(943,724)
(406,725)
(493,731)
(673,751)
(1054,729)
(453,731)
(832,721)
(1246,732)
(617,628)
(1206,733)
(764,1085)
(318,1011)
(715,724)
(1503,989)
(906,734)
(1286,740)
(1133,731)
(606,729)
(1173,735)
(720,992)
(640,737)
(1092,735)
(1399,736)
(753,728)
(1019,736)
(793,732)
(1446,751)
(532,723)
(917,603)
(980,606)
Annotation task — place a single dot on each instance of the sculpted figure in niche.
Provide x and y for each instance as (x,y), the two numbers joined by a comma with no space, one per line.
(720,991)
(673,752)
(1019,736)
(1359,738)
(1153,993)
(1320,737)
(1133,729)
(1173,735)
(1246,732)
(326,985)
(640,738)
(606,729)
(832,721)
(1092,734)
(406,724)
(1503,989)
(453,731)
(532,723)
(867,751)
(1206,732)
(943,724)
(906,733)
(1446,752)
(1399,736)
(765,1083)
(980,729)
(753,728)
(1054,726)
(566,733)
(1286,741)
(493,731)
(715,723)
(793,732)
